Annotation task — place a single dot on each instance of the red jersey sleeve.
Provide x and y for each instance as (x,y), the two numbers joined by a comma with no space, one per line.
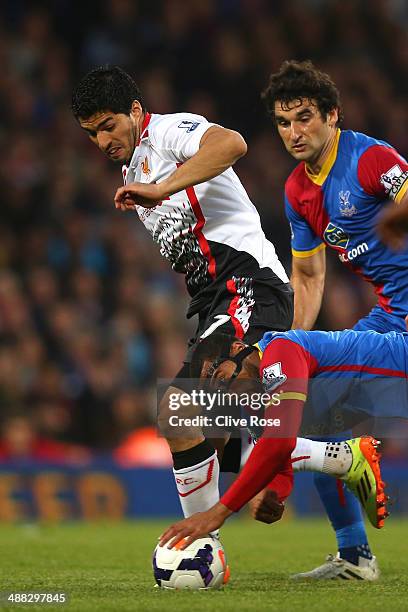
(383,173)
(285,369)
(267,459)
(282,483)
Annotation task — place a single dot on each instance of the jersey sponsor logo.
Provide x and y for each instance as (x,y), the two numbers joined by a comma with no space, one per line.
(335,236)
(388,178)
(346,208)
(189,126)
(354,252)
(273,376)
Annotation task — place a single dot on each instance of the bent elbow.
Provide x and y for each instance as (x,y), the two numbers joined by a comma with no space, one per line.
(234,144)
(240,146)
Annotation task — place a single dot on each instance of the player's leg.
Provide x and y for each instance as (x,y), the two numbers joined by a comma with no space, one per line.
(356,462)
(319,456)
(195,461)
(341,505)
(246,308)
(345,514)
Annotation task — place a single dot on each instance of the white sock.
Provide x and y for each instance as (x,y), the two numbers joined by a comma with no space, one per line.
(332,458)
(308,455)
(197,485)
(338,458)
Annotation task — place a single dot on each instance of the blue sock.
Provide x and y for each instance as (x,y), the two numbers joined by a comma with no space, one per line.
(353,553)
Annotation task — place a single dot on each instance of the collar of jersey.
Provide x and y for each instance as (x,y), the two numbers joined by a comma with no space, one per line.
(319,178)
(143,132)
(258,348)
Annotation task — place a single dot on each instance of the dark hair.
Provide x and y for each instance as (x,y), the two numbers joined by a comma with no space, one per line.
(215,345)
(107,88)
(297,80)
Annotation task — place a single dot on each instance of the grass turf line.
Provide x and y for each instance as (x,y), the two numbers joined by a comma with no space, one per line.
(108,567)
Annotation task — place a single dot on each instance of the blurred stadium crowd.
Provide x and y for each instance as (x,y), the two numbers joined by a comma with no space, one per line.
(90,314)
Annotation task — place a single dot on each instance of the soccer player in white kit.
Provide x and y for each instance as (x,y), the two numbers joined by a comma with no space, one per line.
(178,178)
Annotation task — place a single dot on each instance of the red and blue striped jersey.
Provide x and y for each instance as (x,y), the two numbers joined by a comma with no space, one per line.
(339,208)
(335,354)
(364,369)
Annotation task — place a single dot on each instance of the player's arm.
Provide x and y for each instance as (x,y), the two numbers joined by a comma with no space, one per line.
(263,464)
(308,275)
(383,173)
(285,370)
(308,261)
(219,149)
(268,505)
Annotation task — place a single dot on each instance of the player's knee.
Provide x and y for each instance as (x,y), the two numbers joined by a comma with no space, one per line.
(177,424)
(163,419)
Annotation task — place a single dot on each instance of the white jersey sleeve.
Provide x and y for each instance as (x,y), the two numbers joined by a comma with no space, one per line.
(177,137)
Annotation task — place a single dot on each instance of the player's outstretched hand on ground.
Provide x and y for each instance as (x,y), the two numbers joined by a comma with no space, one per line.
(196,526)
(266,507)
(147,195)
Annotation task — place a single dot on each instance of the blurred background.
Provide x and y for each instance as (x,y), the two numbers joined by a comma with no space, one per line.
(90,314)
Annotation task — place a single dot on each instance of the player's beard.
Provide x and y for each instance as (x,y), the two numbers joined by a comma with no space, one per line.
(132,144)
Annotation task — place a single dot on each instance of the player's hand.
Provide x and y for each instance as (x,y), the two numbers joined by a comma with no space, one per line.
(196,526)
(140,194)
(266,507)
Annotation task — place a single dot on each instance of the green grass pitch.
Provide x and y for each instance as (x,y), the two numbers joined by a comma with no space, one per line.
(107,567)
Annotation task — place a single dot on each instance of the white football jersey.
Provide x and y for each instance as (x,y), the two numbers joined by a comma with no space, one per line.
(208,232)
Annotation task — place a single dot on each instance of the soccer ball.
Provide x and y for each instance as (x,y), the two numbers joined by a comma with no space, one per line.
(202,565)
